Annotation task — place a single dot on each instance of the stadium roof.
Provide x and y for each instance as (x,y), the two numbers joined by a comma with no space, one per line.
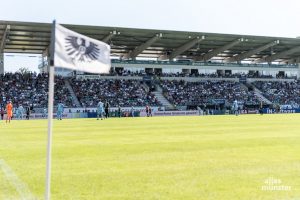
(30,37)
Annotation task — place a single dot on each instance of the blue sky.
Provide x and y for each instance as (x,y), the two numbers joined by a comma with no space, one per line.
(253,17)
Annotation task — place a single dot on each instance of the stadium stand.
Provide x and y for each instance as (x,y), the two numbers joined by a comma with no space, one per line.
(31,89)
(182,93)
(284,93)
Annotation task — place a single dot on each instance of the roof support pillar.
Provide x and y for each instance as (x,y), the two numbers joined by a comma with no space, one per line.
(2,46)
(278,55)
(185,47)
(139,49)
(1,63)
(107,38)
(298,74)
(4,38)
(248,54)
(215,52)
(295,60)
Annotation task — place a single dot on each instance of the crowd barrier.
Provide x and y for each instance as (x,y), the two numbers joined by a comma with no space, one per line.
(142,113)
(176,113)
(271,111)
(42,116)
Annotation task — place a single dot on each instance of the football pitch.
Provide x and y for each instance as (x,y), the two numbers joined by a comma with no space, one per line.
(248,157)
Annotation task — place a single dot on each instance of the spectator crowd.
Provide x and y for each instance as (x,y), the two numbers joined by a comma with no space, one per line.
(182,93)
(117,92)
(31,89)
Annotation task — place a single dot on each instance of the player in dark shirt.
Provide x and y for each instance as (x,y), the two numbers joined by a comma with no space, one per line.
(106,109)
(27,112)
(2,113)
(119,111)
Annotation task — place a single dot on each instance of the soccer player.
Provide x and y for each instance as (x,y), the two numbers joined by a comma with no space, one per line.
(200,111)
(45,113)
(150,111)
(2,113)
(17,111)
(277,108)
(132,111)
(9,110)
(27,112)
(236,107)
(100,110)
(119,111)
(21,111)
(147,110)
(106,109)
(261,108)
(60,111)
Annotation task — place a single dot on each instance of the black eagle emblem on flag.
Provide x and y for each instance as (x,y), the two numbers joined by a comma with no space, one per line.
(81,49)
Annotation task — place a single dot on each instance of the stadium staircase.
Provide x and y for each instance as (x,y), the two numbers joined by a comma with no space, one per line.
(258,93)
(74,97)
(161,98)
(146,87)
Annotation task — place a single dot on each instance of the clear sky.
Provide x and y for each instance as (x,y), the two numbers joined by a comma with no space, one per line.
(251,17)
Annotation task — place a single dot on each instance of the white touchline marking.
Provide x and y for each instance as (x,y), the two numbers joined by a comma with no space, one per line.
(14,180)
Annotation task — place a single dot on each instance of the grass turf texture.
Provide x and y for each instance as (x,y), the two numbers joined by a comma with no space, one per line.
(209,158)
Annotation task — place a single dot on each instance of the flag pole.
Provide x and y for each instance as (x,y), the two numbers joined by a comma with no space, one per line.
(50,114)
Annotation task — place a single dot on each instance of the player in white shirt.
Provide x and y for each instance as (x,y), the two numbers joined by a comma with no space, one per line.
(100,110)
(235,107)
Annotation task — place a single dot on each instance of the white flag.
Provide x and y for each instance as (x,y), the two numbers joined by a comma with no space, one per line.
(78,52)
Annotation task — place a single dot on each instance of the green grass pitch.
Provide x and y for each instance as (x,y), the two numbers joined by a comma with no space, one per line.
(159,158)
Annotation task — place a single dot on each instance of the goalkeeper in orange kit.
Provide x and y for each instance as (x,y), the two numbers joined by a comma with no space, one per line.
(9,110)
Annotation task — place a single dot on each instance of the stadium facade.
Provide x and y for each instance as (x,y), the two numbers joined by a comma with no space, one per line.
(162,50)
(168,70)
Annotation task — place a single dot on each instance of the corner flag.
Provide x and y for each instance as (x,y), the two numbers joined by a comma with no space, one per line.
(78,52)
(73,51)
